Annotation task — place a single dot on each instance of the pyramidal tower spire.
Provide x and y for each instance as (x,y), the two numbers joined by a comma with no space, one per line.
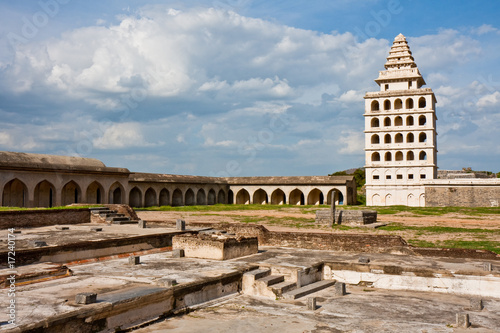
(400,132)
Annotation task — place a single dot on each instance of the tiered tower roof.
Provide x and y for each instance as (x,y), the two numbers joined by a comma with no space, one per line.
(400,64)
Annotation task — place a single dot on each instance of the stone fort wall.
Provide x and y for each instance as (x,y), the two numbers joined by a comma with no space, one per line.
(463,193)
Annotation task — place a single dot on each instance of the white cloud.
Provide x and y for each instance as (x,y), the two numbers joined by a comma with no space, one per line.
(351,96)
(489,100)
(484,29)
(123,135)
(353,142)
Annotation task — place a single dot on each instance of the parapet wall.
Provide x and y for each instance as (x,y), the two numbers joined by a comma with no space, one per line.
(463,193)
(41,218)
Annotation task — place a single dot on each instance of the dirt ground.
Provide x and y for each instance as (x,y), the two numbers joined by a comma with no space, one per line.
(297,219)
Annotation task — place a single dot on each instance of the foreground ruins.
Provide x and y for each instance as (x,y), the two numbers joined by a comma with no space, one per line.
(113,274)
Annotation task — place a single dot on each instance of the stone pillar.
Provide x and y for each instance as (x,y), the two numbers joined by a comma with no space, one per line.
(340,288)
(463,320)
(180,225)
(333,207)
(311,303)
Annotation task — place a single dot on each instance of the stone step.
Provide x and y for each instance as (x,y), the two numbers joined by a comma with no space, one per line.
(309,289)
(271,279)
(259,273)
(117,218)
(99,211)
(280,288)
(110,214)
(126,222)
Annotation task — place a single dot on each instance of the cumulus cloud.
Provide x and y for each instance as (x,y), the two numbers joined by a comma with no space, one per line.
(489,100)
(122,135)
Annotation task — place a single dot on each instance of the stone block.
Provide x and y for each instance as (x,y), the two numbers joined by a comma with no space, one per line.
(178,253)
(61,228)
(463,320)
(355,217)
(476,304)
(218,247)
(134,260)
(180,225)
(311,303)
(95,229)
(340,289)
(86,298)
(166,282)
(142,224)
(364,260)
(487,267)
(38,243)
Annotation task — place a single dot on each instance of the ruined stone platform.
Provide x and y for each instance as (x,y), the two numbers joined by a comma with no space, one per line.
(215,246)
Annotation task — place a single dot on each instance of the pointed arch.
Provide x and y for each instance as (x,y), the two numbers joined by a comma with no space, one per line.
(375,106)
(410,156)
(387,138)
(375,157)
(243,197)
(387,121)
(71,193)
(422,156)
(388,156)
(375,139)
(45,194)
(375,122)
(260,197)
(150,198)
(189,199)
(221,197)
(315,197)
(211,200)
(164,198)
(398,121)
(95,193)
(422,120)
(422,137)
(297,197)
(278,197)
(201,197)
(15,194)
(135,197)
(177,198)
(116,193)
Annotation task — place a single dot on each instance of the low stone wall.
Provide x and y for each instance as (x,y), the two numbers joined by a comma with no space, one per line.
(463,193)
(214,246)
(349,217)
(43,217)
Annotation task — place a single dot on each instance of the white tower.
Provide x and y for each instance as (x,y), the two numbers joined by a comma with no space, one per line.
(400,133)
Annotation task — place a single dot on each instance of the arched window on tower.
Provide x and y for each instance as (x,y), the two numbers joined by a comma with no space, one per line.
(387,121)
(375,139)
(409,121)
(410,156)
(398,121)
(409,103)
(387,138)
(398,104)
(375,122)
(422,137)
(422,103)
(398,138)
(375,157)
(422,120)
(388,156)
(387,104)
(375,106)
(422,156)
(410,138)
(399,156)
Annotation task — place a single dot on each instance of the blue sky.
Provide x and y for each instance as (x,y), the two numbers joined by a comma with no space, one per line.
(238,87)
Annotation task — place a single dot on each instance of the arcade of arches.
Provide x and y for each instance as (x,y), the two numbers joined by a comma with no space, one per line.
(33,180)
